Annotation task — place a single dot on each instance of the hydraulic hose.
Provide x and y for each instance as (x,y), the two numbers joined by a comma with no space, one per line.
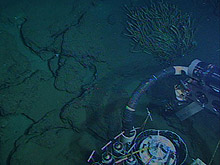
(128,115)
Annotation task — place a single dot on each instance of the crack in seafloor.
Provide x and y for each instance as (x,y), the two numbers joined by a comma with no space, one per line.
(85,88)
(23,139)
(8,85)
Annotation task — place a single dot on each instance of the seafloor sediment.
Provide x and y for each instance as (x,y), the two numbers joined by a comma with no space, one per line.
(67,73)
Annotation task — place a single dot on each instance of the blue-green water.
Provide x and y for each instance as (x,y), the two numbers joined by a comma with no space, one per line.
(67,72)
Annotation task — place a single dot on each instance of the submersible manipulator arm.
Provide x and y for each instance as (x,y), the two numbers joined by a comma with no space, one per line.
(128,114)
(208,74)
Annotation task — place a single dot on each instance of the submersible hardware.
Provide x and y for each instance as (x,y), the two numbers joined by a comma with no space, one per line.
(147,147)
(136,146)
